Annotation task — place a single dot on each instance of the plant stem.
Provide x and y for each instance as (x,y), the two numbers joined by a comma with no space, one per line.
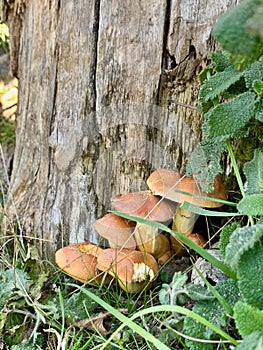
(235,167)
(237,173)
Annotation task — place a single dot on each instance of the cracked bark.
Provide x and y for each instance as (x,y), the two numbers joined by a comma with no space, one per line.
(94,117)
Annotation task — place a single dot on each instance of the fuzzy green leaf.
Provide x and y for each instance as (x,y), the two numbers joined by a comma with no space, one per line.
(251,205)
(253,341)
(248,319)
(232,33)
(79,306)
(225,237)
(226,119)
(218,83)
(169,292)
(259,110)
(220,60)
(205,163)
(253,171)
(252,73)
(258,87)
(240,241)
(254,24)
(197,292)
(214,312)
(250,276)
(13,281)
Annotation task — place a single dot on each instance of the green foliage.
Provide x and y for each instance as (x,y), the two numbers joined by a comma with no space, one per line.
(231,98)
(251,205)
(226,119)
(178,292)
(253,171)
(213,311)
(250,275)
(225,237)
(240,241)
(4,35)
(7,131)
(248,319)
(254,341)
(78,306)
(219,83)
(233,30)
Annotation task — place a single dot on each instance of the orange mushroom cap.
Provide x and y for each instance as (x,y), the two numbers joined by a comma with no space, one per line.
(145,205)
(79,260)
(133,269)
(117,230)
(164,182)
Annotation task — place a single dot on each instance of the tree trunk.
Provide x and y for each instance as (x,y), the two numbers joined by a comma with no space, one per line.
(101,88)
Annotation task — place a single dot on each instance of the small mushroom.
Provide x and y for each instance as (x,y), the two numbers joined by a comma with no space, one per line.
(195,237)
(164,182)
(134,270)
(117,230)
(146,205)
(79,261)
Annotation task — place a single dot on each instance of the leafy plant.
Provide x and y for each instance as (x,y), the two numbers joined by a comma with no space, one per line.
(4,35)
(232,104)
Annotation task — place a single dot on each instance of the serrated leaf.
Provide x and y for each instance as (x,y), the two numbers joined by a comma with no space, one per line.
(165,294)
(259,110)
(79,306)
(221,60)
(178,281)
(251,205)
(226,119)
(240,241)
(258,87)
(252,73)
(232,33)
(213,311)
(218,83)
(253,171)
(225,237)
(205,162)
(248,319)
(197,292)
(250,276)
(253,341)
(11,280)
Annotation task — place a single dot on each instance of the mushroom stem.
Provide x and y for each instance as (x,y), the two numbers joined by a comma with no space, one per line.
(183,222)
(149,240)
(145,237)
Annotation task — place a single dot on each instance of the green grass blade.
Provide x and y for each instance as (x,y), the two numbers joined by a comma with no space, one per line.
(217,295)
(128,321)
(202,211)
(182,238)
(205,198)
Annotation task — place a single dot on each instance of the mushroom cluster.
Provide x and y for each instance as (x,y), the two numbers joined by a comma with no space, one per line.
(136,249)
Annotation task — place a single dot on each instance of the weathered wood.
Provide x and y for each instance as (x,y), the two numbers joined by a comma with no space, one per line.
(94,117)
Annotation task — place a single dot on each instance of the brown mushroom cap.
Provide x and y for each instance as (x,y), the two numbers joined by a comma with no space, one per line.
(79,260)
(145,205)
(179,248)
(133,269)
(117,230)
(164,182)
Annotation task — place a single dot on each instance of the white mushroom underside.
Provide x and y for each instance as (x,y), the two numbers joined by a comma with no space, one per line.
(142,272)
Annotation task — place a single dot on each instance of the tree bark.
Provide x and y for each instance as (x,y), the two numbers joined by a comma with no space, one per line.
(102,86)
